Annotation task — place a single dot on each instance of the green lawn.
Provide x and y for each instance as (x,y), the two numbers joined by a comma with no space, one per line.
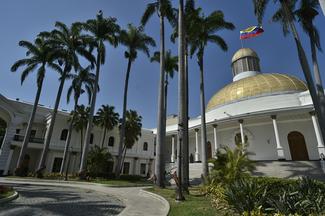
(194,205)
(7,194)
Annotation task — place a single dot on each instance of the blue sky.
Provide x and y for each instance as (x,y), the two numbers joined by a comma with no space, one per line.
(23,20)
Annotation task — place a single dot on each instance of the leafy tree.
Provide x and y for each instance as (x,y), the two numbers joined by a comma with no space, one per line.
(98,161)
(68,44)
(102,30)
(164,9)
(135,40)
(81,83)
(39,57)
(286,14)
(107,119)
(133,127)
(203,33)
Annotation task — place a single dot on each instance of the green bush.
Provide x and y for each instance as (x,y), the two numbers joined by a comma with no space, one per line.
(98,162)
(131,177)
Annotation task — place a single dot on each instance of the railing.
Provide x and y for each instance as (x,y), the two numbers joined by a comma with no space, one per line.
(20,138)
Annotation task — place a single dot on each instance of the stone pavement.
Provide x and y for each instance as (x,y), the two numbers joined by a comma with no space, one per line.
(136,201)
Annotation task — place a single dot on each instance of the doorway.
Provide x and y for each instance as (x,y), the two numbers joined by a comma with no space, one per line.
(297,145)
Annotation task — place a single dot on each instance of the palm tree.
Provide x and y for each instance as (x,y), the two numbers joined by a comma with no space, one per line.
(164,9)
(135,40)
(288,18)
(69,43)
(306,15)
(133,127)
(80,120)
(39,56)
(171,65)
(102,30)
(204,33)
(81,82)
(107,119)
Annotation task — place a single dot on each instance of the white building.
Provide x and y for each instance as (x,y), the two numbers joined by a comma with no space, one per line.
(138,161)
(272,112)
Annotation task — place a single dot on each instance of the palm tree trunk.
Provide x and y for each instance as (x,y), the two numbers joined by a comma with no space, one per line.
(166,93)
(67,142)
(185,166)
(319,105)
(83,163)
(181,100)
(161,122)
(104,136)
(81,142)
(49,132)
(124,150)
(203,125)
(23,149)
(122,132)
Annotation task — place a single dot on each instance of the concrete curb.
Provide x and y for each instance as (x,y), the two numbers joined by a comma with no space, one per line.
(10,198)
(160,198)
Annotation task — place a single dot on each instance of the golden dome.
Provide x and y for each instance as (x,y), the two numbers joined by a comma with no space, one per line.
(258,85)
(243,52)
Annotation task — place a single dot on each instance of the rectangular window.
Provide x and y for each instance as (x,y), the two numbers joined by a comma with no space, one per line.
(143,169)
(17,131)
(32,134)
(126,168)
(57,165)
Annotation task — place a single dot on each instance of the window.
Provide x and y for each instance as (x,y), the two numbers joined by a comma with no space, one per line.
(57,165)
(32,134)
(238,139)
(91,138)
(126,168)
(64,134)
(18,131)
(143,169)
(111,141)
(145,146)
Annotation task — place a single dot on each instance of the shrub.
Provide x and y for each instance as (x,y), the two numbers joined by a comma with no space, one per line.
(98,162)
(231,165)
(131,177)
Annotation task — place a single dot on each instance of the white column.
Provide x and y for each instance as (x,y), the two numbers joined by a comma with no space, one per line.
(320,144)
(197,155)
(241,131)
(279,148)
(6,146)
(215,139)
(172,159)
(5,172)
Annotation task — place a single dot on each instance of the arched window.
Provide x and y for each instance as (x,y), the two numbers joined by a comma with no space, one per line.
(64,134)
(145,146)
(111,141)
(91,138)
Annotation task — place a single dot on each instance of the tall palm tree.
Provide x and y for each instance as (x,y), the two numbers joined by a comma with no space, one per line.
(107,119)
(204,33)
(306,14)
(171,66)
(102,30)
(164,9)
(81,82)
(133,127)
(69,43)
(288,17)
(135,40)
(80,120)
(39,57)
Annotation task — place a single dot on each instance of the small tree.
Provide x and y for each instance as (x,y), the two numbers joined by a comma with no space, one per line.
(98,162)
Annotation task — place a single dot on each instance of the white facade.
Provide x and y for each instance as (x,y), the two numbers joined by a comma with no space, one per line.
(16,114)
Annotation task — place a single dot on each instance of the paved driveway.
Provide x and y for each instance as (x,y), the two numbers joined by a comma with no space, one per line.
(37,200)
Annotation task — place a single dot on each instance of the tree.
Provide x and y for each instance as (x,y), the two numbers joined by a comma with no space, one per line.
(171,66)
(204,33)
(68,44)
(107,119)
(306,14)
(80,119)
(39,57)
(102,30)
(135,40)
(288,19)
(164,9)
(98,161)
(81,83)
(133,127)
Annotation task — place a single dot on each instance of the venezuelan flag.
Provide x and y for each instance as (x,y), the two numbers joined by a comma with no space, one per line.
(251,32)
